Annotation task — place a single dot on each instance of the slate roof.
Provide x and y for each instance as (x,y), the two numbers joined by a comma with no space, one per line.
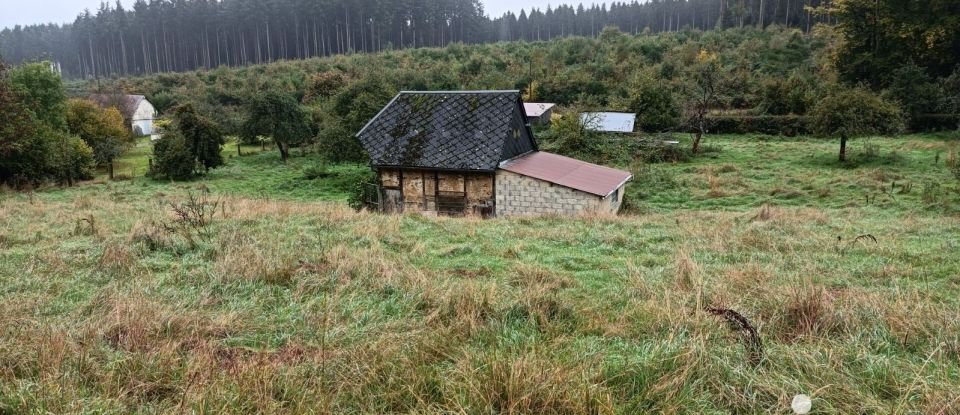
(462,130)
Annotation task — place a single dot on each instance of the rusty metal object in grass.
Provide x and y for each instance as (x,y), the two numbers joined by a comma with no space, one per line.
(738,323)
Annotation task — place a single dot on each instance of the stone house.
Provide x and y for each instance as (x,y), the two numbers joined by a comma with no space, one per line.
(473,152)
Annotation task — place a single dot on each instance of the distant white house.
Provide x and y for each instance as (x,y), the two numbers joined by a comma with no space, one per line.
(609,122)
(135,108)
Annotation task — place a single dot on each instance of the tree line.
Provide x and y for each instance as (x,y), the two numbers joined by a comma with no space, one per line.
(180,35)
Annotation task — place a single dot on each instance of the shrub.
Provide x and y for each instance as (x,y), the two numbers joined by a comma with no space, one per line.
(361,192)
(71,159)
(654,104)
(336,144)
(172,158)
(570,136)
(324,85)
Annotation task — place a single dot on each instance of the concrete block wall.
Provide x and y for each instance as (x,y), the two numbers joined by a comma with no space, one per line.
(519,195)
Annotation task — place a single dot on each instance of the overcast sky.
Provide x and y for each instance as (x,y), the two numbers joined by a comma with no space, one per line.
(24,12)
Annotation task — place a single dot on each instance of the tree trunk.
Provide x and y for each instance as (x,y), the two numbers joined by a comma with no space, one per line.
(284,151)
(696,142)
(843,148)
(110,168)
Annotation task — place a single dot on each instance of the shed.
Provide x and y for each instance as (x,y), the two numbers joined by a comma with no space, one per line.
(139,112)
(609,122)
(538,113)
(472,152)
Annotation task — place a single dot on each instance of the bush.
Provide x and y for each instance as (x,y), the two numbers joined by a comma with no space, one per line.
(336,144)
(324,85)
(654,104)
(793,95)
(172,158)
(361,191)
(569,136)
(71,159)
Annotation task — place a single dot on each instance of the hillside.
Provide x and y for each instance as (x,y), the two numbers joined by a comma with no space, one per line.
(183,35)
(288,303)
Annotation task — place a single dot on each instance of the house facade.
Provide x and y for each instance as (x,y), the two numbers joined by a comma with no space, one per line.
(473,153)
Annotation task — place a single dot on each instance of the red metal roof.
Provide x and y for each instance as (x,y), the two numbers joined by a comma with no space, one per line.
(568,172)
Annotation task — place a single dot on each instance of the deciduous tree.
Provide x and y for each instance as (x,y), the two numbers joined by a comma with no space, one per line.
(703,90)
(278,115)
(855,112)
(103,130)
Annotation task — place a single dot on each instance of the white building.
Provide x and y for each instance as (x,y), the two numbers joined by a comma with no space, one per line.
(135,108)
(609,122)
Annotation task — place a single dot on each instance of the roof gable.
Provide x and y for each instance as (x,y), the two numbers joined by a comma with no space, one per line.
(466,130)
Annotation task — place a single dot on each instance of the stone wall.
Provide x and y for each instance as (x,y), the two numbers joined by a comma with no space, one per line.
(519,195)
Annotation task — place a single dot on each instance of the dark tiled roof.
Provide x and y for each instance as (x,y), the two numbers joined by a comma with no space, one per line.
(444,130)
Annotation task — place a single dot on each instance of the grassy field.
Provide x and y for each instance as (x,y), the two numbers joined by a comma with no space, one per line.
(290,302)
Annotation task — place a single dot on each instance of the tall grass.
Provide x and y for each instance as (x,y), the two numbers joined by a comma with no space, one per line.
(310,307)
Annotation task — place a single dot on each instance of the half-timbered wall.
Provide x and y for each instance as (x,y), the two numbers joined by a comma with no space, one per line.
(451,193)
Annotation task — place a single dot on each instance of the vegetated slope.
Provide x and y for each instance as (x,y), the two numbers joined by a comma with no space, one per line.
(609,71)
(166,35)
(767,81)
(280,306)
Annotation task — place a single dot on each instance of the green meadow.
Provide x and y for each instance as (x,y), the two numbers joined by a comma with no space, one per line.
(281,299)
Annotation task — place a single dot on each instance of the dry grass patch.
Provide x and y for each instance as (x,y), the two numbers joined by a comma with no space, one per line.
(686,272)
(244,255)
(531,275)
(465,308)
(525,382)
(117,259)
(134,323)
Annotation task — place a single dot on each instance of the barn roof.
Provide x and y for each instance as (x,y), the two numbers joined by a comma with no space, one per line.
(453,130)
(568,172)
(536,109)
(611,122)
